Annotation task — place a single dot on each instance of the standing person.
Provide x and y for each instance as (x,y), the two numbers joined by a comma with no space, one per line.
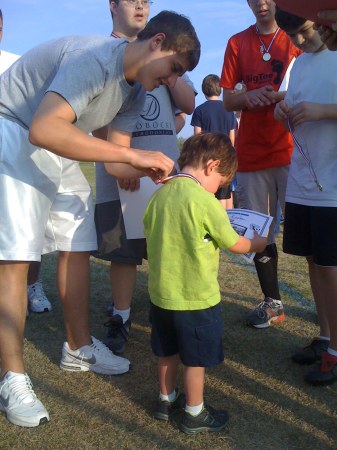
(185,226)
(310,227)
(211,116)
(73,86)
(156,127)
(260,56)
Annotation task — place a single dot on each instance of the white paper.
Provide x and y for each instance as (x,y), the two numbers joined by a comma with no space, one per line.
(245,222)
(134,205)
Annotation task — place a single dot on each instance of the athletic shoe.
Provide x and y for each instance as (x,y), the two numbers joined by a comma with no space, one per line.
(312,352)
(266,313)
(19,402)
(37,299)
(95,357)
(209,419)
(165,409)
(118,334)
(324,372)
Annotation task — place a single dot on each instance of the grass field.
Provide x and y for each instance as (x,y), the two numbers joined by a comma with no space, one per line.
(270,407)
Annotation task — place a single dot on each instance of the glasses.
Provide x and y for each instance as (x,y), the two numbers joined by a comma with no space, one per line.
(134,3)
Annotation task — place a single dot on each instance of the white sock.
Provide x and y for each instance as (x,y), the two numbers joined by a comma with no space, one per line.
(332,352)
(124,313)
(168,398)
(324,338)
(277,302)
(194,410)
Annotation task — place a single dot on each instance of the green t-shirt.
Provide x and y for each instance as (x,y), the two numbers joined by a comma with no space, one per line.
(184,227)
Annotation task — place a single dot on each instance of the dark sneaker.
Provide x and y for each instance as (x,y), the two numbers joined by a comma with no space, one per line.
(324,372)
(209,419)
(312,352)
(165,409)
(266,313)
(118,334)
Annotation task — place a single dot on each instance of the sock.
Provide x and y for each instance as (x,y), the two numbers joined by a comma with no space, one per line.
(332,352)
(124,313)
(266,268)
(168,398)
(194,410)
(324,338)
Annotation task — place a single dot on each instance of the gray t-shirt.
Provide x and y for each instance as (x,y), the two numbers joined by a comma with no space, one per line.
(87,71)
(154,130)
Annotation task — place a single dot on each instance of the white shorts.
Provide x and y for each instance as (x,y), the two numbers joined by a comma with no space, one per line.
(45,202)
(263,191)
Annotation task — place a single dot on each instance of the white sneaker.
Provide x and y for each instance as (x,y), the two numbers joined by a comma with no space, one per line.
(37,299)
(95,357)
(19,402)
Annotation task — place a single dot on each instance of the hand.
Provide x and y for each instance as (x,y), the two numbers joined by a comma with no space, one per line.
(329,14)
(305,112)
(258,243)
(328,37)
(129,184)
(281,111)
(155,164)
(263,96)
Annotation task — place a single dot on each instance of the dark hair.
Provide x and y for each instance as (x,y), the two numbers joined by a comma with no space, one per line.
(288,22)
(180,35)
(211,85)
(200,148)
(114,1)
(1,17)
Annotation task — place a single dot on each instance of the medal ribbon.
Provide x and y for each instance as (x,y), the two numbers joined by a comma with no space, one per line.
(305,156)
(180,175)
(266,50)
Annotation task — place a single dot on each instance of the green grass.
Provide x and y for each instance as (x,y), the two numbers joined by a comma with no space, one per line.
(270,407)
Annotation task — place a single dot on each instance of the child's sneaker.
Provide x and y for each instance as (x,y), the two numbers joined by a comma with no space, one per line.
(37,299)
(209,419)
(268,312)
(324,372)
(165,408)
(95,357)
(312,352)
(19,402)
(118,334)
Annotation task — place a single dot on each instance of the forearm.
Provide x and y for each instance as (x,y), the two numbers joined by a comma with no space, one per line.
(243,245)
(183,96)
(233,101)
(120,170)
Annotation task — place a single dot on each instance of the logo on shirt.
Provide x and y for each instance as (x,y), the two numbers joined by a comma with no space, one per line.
(264,78)
(151,108)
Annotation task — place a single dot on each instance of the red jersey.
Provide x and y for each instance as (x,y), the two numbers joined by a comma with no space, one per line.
(262,141)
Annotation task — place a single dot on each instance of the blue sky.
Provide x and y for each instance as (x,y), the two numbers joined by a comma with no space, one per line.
(30,22)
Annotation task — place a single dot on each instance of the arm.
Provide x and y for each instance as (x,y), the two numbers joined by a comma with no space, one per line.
(281,113)
(309,111)
(255,98)
(232,136)
(183,96)
(244,245)
(180,121)
(52,128)
(197,130)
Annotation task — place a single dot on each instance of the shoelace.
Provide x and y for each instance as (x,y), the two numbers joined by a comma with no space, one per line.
(116,326)
(23,389)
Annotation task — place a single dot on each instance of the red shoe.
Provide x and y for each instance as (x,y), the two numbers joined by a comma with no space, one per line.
(324,372)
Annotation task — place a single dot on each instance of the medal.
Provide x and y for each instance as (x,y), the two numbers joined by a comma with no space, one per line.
(266,56)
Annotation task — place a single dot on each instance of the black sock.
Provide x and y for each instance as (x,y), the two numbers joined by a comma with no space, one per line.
(266,268)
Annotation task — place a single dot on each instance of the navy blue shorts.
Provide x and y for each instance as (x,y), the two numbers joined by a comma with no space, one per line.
(195,335)
(311,231)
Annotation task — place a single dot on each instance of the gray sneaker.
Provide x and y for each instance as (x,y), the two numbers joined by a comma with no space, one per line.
(165,409)
(95,357)
(209,419)
(312,352)
(19,402)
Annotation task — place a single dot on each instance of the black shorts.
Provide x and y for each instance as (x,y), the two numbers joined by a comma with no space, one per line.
(195,335)
(111,237)
(311,231)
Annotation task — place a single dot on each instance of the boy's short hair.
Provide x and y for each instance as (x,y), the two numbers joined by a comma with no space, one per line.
(287,21)
(211,85)
(180,35)
(200,148)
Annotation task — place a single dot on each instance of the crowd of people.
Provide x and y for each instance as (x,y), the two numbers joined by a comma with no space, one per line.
(56,110)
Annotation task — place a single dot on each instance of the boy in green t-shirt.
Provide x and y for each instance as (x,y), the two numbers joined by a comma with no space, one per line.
(185,226)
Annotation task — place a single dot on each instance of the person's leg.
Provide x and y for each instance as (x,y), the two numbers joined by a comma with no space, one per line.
(13,307)
(33,272)
(167,373)
(194,378)
(73,287)
(319,291)
(123,282)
